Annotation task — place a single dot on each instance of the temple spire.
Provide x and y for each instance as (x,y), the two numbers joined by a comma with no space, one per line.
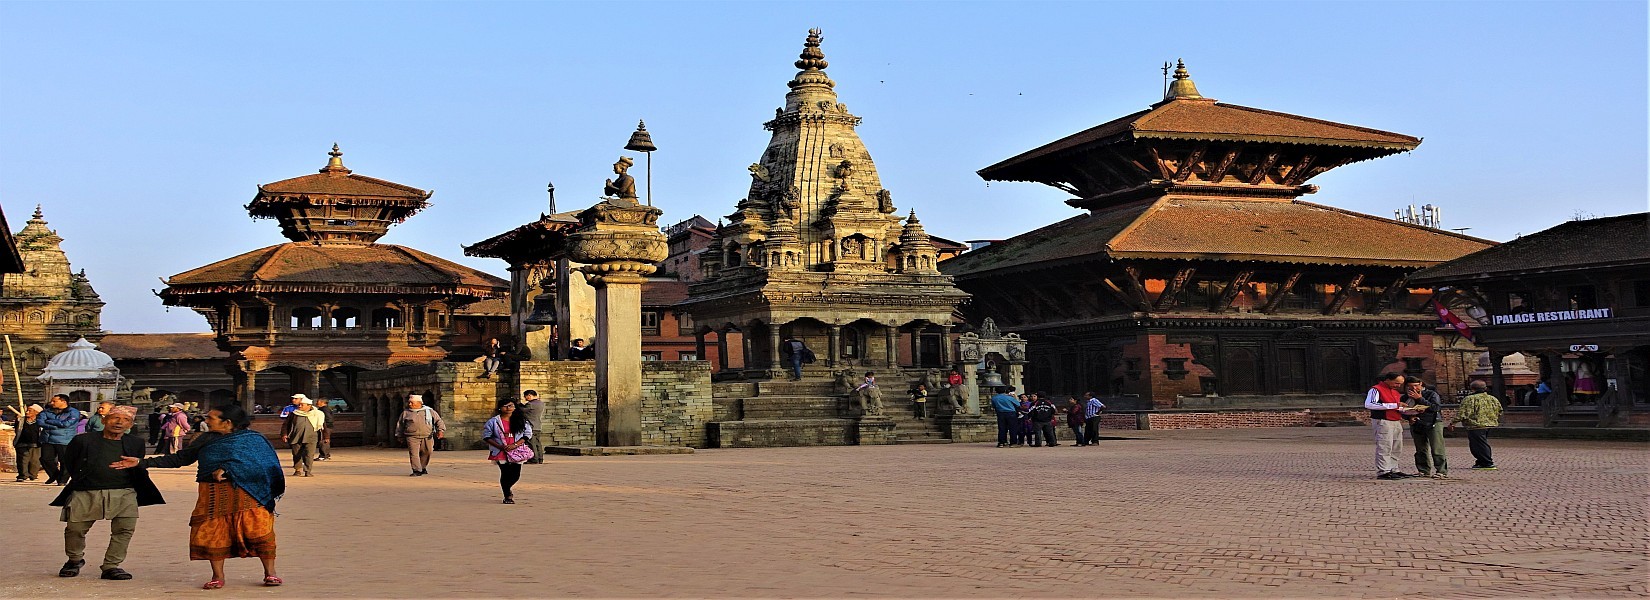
(812,57)
(335,164)
(1182,86)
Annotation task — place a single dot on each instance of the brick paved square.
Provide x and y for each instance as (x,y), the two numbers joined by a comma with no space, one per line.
(1276,513)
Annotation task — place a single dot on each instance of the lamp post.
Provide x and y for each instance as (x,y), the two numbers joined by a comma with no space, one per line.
(642,141)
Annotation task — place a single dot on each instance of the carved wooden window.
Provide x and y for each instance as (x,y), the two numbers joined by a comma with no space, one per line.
(1241,372)
(306,317)
(254,316)
(386,318)
(1291,370)
(1340,371)
(346,318)
(650,322)
(684,324)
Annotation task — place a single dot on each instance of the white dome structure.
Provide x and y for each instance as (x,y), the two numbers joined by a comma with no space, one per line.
(81,361)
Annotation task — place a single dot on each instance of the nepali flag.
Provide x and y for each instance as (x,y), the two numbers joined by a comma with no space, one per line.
(1453,321)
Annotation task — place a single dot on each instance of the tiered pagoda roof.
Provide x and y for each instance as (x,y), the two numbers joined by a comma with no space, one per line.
(336,205)
(1195,179)
(333,269)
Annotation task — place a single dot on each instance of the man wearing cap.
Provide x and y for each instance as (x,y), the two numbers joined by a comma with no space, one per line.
(418,428)
(27,443)
(302,432)
(96,492)
(57,426)
(286,411)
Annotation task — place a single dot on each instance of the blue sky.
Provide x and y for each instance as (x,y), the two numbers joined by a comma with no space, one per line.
(143,128)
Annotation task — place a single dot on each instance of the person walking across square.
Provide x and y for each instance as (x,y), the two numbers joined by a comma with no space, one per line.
(418,427)
(1091,418)
(1480,412)
(302,431)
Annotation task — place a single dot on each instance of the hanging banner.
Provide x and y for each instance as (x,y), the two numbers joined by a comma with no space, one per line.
(1453,321)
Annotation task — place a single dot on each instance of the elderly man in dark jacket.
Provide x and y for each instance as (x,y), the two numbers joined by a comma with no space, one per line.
(1426,431)
(96,492)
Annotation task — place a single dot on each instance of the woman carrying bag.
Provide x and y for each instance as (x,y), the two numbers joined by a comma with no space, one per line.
(506,433)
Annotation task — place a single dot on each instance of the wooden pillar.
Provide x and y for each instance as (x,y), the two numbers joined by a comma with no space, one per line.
(1498,385)
(722,350)
(699,345)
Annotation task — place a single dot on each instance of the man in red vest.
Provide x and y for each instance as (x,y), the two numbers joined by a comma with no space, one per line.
(1385,404)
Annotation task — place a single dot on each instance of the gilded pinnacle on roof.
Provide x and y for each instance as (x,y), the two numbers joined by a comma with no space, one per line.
(1182,86)
(812,57)
(335,164)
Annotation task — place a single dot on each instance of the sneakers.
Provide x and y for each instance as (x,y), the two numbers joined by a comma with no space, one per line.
(1394,475)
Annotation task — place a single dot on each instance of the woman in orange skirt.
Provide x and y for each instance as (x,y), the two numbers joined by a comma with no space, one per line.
(240,478)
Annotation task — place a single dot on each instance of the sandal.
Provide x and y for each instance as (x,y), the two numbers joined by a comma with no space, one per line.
(272,581)
(215,584)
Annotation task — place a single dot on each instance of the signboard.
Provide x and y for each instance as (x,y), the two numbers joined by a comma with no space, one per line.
(1553,316)
(1584,348)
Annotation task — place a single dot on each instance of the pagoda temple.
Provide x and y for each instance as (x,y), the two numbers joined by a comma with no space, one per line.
(817,250)
(44,305)
(314,312)
(1198,277)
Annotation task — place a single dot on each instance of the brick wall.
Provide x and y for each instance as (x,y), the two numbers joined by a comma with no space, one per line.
(676,400)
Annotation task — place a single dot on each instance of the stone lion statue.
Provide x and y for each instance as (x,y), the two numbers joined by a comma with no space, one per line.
(870,400)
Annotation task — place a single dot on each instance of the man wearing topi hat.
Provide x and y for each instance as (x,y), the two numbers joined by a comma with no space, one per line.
(302,432)
(96,492)
(418,428)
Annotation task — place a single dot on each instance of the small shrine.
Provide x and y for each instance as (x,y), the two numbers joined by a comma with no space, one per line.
(84,374)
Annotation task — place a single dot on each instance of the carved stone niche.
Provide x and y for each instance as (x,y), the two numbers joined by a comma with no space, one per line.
(1132,368)
(1175,368)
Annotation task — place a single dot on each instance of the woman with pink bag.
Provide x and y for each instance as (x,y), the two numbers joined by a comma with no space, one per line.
(506,433)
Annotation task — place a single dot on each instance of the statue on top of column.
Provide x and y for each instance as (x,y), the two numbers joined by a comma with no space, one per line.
(623,188)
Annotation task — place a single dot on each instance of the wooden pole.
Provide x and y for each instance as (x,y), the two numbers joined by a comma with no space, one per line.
(17,379)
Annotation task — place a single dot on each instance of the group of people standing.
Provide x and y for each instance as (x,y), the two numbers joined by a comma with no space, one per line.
(1030,419)
(1393,401)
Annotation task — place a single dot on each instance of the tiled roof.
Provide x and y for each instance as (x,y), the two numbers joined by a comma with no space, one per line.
(177,346)
(342,184)
(1593,243)
(657,292)
(491,307)
(1208,120)
(1232,230)
(334,268)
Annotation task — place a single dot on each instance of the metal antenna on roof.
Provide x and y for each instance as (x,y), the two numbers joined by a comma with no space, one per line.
(1165,80)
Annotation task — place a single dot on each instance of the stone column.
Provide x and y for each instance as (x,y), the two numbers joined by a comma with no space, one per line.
(891,335)
(833,337)
(620,243)
(773,348)
(246,388)
(945,344)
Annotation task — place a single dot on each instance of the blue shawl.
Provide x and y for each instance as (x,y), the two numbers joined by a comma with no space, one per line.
(249,462)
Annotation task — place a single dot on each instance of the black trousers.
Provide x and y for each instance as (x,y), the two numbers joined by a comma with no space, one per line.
(1043,433)
(1006,424)
(1077,432)
(51,460)
(1478,441)
(508,474)
(1091,435)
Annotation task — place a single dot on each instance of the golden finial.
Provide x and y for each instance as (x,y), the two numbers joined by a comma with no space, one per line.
(336,162)
(1182,86)
(812,57)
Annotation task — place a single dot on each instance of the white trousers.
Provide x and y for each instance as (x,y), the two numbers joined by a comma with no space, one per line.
(1389,443)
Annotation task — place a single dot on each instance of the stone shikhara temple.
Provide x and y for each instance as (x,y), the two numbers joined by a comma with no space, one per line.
(44,305)
(817,250)
(1198,277)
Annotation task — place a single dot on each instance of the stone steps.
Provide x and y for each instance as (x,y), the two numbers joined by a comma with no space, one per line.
(1574,420)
